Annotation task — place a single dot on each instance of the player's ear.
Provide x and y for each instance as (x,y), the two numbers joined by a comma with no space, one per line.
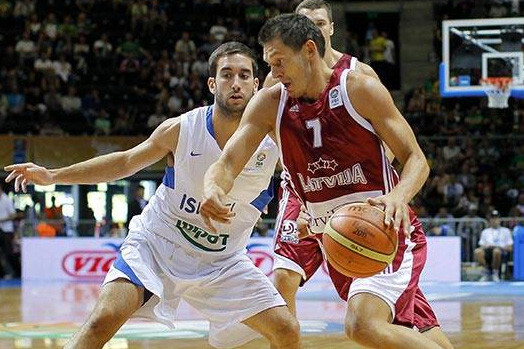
(211,84)
(331,29)
(310,48)
(256,84)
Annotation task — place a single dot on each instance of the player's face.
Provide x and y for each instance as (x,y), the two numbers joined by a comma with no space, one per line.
(320,17)
(289,67)
(234,83)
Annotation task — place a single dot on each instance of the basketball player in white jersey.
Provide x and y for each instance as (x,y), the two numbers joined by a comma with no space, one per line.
(168,254)
(329,125)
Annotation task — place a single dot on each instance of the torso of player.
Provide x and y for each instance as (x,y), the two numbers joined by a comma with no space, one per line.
(174,211)
(330,153)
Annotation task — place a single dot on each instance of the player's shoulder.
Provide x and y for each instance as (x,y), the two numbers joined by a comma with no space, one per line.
(359,82)
(365,69)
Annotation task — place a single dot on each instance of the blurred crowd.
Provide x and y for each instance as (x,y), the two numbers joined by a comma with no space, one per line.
(114,67)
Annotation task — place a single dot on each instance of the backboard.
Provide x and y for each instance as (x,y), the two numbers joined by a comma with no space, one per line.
(473,49)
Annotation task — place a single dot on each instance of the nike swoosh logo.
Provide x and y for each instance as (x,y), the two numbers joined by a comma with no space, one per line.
(195,154)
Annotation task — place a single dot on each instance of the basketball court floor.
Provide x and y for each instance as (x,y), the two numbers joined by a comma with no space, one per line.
(43,314)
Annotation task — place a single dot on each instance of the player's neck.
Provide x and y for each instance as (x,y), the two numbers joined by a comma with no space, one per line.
(224,124)
(318,81)
(332,56)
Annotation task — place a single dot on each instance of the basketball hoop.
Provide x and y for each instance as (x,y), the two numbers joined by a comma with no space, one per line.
(498,91)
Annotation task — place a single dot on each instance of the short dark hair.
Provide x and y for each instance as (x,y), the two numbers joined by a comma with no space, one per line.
(316,4)
(231,48)
(294,30)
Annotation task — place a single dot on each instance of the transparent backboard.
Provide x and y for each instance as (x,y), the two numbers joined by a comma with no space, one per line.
(474,49)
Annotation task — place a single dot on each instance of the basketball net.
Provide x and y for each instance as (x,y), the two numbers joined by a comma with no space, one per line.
(498,91)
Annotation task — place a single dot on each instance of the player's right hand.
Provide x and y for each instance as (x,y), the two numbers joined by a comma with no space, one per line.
(28,173)
(303,222)
(213,207)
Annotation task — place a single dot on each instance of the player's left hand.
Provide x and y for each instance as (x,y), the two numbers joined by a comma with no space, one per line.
(396,212)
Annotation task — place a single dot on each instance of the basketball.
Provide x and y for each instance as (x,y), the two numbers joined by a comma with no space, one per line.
(356,241)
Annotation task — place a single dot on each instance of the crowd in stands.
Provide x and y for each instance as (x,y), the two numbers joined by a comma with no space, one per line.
(113,67)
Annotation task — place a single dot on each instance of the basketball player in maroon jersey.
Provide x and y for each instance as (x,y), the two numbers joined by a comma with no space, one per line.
(297,261)
(329,125)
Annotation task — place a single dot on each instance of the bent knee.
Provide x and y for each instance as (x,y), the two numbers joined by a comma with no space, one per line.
(103,319)
(287,331)
(287,281)
(360,330)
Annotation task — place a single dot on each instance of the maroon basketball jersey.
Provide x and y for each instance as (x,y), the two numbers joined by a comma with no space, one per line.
(331,154)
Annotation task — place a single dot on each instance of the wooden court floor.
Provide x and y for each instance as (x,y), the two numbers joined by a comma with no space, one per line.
(471,321)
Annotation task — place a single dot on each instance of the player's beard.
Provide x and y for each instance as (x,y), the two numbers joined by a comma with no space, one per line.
(231,110)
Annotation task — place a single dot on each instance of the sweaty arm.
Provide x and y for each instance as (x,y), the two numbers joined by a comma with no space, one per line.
(373,101)
(257,121)
(103,168)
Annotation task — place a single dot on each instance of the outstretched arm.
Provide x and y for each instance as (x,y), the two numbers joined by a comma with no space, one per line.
(257,121)
(373,101)
(103,168)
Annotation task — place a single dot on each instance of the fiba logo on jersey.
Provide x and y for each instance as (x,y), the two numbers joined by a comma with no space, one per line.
(260,160)
(334,97)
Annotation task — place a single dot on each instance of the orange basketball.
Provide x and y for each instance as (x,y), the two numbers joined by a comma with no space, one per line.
(356,241)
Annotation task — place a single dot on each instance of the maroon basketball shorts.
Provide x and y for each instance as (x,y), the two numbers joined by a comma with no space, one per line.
(397,285)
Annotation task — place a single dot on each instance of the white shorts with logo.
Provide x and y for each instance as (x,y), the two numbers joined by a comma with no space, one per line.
(226,289)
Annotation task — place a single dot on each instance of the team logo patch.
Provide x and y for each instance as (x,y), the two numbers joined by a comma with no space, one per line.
(335,99)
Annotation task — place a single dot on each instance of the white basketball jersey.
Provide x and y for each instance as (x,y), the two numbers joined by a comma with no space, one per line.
(174,210)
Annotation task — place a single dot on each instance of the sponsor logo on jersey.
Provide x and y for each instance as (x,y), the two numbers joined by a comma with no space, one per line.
(335,99)
(294,108)
(351,175)
(201,238)
(195,154)
(321,164)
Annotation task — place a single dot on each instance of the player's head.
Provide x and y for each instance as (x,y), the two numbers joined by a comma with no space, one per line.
(292,44)
(232,76)
(319,11)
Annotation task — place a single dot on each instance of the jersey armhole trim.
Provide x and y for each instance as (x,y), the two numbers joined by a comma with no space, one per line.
(349,106)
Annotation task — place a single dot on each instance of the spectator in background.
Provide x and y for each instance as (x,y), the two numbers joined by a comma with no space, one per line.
(157,17)
(102,124)
(156,118)
(55,217)
(494,245)
(199,66)
(16,101)
(137,204)
(103,51)
(62,68)
(139,15)
(219,31)
(26,49)
(377,49)
(7,235)
(451,150)
(389,57)
(186,46)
